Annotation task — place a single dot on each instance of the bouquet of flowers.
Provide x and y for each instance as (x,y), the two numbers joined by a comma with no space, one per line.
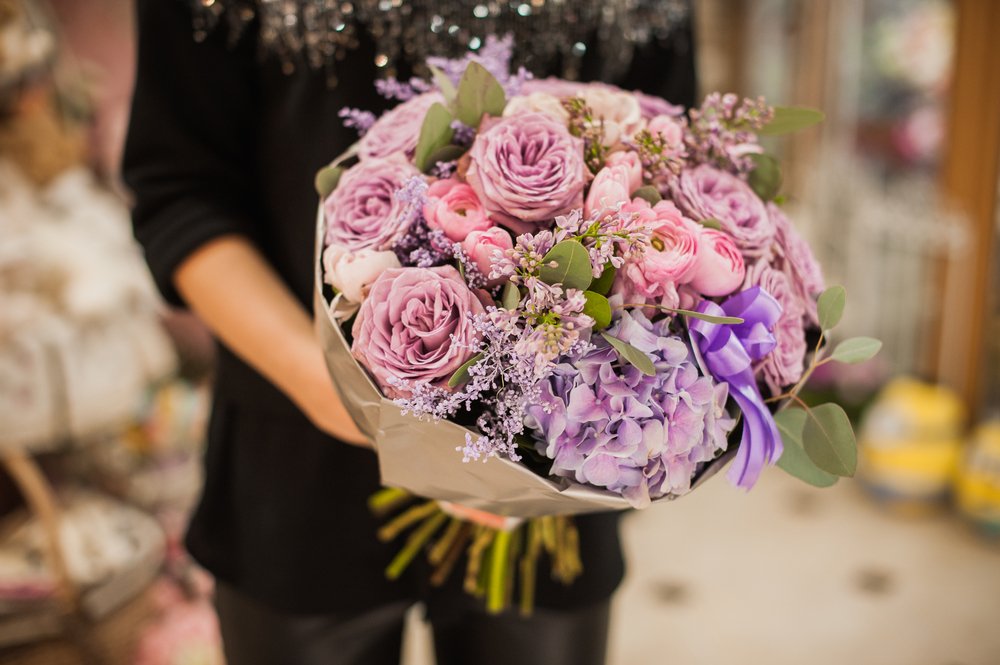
(592,289)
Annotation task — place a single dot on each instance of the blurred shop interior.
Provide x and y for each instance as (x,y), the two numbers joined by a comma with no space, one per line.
(104,394)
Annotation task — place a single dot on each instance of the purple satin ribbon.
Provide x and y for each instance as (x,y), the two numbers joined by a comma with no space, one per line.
(729,351)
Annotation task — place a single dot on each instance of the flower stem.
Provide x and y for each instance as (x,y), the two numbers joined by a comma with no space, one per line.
(406,520)
(387,499)
(496,590)
(416,540)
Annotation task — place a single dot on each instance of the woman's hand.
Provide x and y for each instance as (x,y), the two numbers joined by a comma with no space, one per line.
(230,285)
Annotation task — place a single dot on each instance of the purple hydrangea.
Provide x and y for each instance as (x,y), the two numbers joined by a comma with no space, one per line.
(603,422)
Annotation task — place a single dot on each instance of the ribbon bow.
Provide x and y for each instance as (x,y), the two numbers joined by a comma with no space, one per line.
(729,352)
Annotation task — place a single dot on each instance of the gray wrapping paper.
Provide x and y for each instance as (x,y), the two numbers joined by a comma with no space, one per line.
(422,457)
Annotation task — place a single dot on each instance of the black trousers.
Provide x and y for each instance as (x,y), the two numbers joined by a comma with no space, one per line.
(255,634)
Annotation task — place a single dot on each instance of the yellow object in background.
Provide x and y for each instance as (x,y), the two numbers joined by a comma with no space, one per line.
(977,488)
(909,443)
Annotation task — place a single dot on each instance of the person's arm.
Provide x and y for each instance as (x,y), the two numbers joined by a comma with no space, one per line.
(189,161)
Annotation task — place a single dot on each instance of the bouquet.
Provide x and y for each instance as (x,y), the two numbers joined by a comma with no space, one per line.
(589,287)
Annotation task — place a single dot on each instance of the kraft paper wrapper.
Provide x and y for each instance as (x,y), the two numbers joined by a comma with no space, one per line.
(421,456)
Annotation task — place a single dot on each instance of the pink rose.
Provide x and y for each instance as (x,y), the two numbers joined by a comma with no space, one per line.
(799,263)
(619,111)
(785,364)
(720,269)
(398,130)
(527,170)
(415,325)
(670,259)
(352,272)
(668,128)
(363,212)
(453,207)
(481,248)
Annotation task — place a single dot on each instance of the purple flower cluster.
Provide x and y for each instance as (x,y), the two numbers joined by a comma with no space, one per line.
(494,56)
(360,121)
(723,132)
(393,88)
(605,423)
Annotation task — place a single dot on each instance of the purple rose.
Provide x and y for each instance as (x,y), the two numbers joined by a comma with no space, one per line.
(527,169)
(794,253)
(705,192)
(785,364)
(604,423)
(398,130)
(364,212)
(415,325)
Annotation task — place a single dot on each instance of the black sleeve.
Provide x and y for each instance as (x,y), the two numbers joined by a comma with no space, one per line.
(666,67)
(189,153)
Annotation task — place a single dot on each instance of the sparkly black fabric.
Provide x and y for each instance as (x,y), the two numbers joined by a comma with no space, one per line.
(223,141)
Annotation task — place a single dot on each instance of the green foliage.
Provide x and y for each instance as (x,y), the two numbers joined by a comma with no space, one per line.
(444,84)
(511,296)
(631,355)
(829,440)
(649,194)
(711,223)
(435,133)
(604,283)
(856,350)
(598,308)
(568,263)
(765,179)
(447,153)
(794,460)
(327,179)
(830,307)
(788,119)
(461,374)
(478,93)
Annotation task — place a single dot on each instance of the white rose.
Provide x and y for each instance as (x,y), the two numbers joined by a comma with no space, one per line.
(620,111)
(541,102)
(352,272)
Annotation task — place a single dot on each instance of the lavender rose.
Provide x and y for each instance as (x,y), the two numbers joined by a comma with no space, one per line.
(794,253)
(785,364)
(364,212)
(705,192)
(397,131)
(415,325)
(527,169)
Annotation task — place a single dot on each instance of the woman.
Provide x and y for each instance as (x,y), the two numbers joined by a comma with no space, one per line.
(236,106)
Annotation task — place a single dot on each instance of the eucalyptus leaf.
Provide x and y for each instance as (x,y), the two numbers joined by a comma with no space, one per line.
(709,318)
(568,263)
(604,283)
(765,178)
(830,306)
(794,460)
(448,153)
(478,93)
(649,194)
(829,440)
(327,179)
(435,133)
(598,308)
(444,84)
(788,119)
(461,374)
(511,296)
(856,350)
(631,355)
(711,223)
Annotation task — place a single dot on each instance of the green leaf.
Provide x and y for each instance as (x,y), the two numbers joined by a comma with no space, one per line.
(444,84)
(631,355)
(603,283)
(648,194)
(788,119)
(461,374)
(327,179)
(708,317)
(830,306)
(795,461)
(448,153)
(435,133)
(511,296)
(765,179)
(829,440)
(478,93)
(598,308)
(711,223)
(856,350)
(568,263)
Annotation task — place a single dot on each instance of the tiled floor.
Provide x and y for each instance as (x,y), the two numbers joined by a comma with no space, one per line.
(796,576)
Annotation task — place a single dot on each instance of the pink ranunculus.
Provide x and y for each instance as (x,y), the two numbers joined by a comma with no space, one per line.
(453,207)
(801,266)
(720,268)
(398,130)
(669,128)
(527,170)
(612,186)
(415,325)
(630,159)
(705,192)
(672,256)
(482,246)
(785,364)
(363,212)
(352,272)
(619,112)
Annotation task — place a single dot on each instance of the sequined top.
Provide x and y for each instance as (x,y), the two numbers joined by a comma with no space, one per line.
(320,32)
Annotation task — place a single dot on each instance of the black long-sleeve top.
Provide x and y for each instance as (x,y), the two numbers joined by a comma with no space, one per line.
(221,141)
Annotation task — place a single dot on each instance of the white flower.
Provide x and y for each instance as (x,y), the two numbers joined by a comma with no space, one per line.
(542,102)
(352,272)
(619,110)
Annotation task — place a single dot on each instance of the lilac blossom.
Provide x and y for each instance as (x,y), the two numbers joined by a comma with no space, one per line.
(494,56)
(393,88)
(723,131)
(357,119)
(603,422)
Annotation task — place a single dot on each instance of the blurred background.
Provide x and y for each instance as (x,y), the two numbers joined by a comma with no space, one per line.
(103,392)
